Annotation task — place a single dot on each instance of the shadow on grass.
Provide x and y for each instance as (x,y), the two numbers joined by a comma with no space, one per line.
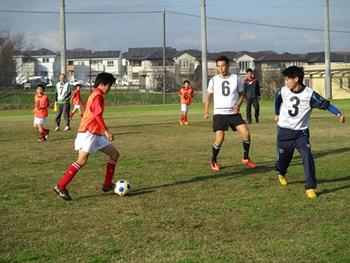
(326,191)
(132,193)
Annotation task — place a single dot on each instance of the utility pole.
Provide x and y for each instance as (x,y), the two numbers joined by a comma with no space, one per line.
(327,51)
(204,49)
(164,58)
(63,37)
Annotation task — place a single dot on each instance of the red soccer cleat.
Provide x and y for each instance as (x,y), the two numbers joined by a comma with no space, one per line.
(249,163)
(214,166)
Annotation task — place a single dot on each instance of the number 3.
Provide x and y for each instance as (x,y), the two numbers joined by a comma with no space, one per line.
(295,106)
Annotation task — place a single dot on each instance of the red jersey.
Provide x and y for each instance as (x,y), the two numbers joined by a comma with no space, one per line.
(92,120)
(76,99)
(41,105)
(186,95)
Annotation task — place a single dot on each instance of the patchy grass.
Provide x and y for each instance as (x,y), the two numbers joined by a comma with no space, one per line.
(179,211)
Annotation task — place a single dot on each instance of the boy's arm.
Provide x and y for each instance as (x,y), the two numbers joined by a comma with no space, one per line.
(207,104)
(317,101)
(278,102)
(97,109)
(56,93)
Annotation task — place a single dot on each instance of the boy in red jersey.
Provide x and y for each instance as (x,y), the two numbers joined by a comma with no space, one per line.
(41,105)
(89,138)
(186,93)
(76,102)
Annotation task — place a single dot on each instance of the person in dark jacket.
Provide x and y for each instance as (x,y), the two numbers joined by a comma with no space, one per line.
(252,95)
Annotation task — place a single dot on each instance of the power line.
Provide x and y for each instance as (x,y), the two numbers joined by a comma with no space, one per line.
(258,24)
(174,13)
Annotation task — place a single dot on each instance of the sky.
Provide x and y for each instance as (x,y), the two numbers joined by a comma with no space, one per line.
(122,31)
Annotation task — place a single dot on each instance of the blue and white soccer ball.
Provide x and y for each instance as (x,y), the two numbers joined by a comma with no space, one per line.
(122,187)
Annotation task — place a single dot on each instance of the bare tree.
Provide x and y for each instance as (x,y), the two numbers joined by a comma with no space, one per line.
(10,45)
(271,82)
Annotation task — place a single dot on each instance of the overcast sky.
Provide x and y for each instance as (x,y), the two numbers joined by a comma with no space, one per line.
(121,31)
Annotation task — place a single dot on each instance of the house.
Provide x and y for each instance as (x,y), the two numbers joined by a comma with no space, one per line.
(315,78)
(318,58)
(145,66)
(268,69)
(186,63)
(246,59)
(42,63)
(83,65)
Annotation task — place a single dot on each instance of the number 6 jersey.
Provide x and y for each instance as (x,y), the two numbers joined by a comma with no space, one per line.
(294,108)
(226,92)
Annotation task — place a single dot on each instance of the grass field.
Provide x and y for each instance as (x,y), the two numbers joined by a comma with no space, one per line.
(179,210)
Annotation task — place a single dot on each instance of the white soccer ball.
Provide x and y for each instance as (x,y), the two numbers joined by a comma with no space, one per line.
(122,187)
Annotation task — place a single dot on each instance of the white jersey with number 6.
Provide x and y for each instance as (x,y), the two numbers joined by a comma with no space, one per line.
(226,93)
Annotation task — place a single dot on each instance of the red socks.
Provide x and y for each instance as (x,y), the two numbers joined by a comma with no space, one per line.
(110,168)
(68,176)
(183,117)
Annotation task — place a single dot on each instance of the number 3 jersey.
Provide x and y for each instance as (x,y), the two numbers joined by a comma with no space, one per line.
(226,93)
(294,108)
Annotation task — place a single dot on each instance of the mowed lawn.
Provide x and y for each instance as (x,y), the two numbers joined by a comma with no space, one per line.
(179,210)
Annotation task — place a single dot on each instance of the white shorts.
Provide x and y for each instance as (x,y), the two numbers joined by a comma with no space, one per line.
(76,107)
(184,107)
(89,142)
(38,120)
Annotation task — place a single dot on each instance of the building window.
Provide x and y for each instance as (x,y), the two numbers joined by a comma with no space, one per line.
(70,62)
(110,63)
(184,63)
(45,60)
(244,65)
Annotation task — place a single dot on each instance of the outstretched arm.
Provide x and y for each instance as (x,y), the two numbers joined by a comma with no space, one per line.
(317,101)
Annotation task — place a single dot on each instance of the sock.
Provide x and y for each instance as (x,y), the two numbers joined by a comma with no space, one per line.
(42,135)
(110,168)
(246,146)
(215,151)
(186,117)
(183,116)
(68,175)
(80,115)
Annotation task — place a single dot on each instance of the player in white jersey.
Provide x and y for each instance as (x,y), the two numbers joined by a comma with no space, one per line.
(293,106)
(227,90)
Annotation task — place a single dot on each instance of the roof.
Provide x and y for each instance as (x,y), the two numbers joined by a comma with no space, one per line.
(214,55)
(254,55)
(193,52)
(314,57)
(36,53)
(149,53)
(280,57)
(79,54)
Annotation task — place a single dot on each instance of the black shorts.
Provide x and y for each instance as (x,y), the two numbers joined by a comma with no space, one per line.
(223,122)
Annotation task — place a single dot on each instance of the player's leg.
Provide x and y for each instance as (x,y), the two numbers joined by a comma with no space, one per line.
(113,154)
(72,112)
(256,109)
(245,133)
(219,139)
(249,110)
(304,148)
(284,151)
(66,112)
(71,171)
(58,116)
(80,112)
(186,112)
(41,132)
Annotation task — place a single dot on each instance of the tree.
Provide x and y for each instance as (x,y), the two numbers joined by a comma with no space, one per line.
(10,45)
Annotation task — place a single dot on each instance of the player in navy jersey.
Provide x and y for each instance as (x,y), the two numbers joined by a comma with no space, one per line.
(227,90)
(293,106)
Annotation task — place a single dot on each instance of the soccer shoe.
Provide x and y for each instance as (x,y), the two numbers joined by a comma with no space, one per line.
(107,189)
(57,128)
(214,166)
(186,123)
(181,122)
(47,133)
(282,180)
(41,140)
(67,128)
(249,163)
(62,193)
(310,193)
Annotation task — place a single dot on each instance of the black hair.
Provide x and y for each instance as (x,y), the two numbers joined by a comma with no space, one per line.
(104,78)
(222,58)
(293,72)
(186,81)
(78,85)
(40,85)
(249,70)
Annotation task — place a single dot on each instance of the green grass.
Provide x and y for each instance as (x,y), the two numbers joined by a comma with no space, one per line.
(179,211)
